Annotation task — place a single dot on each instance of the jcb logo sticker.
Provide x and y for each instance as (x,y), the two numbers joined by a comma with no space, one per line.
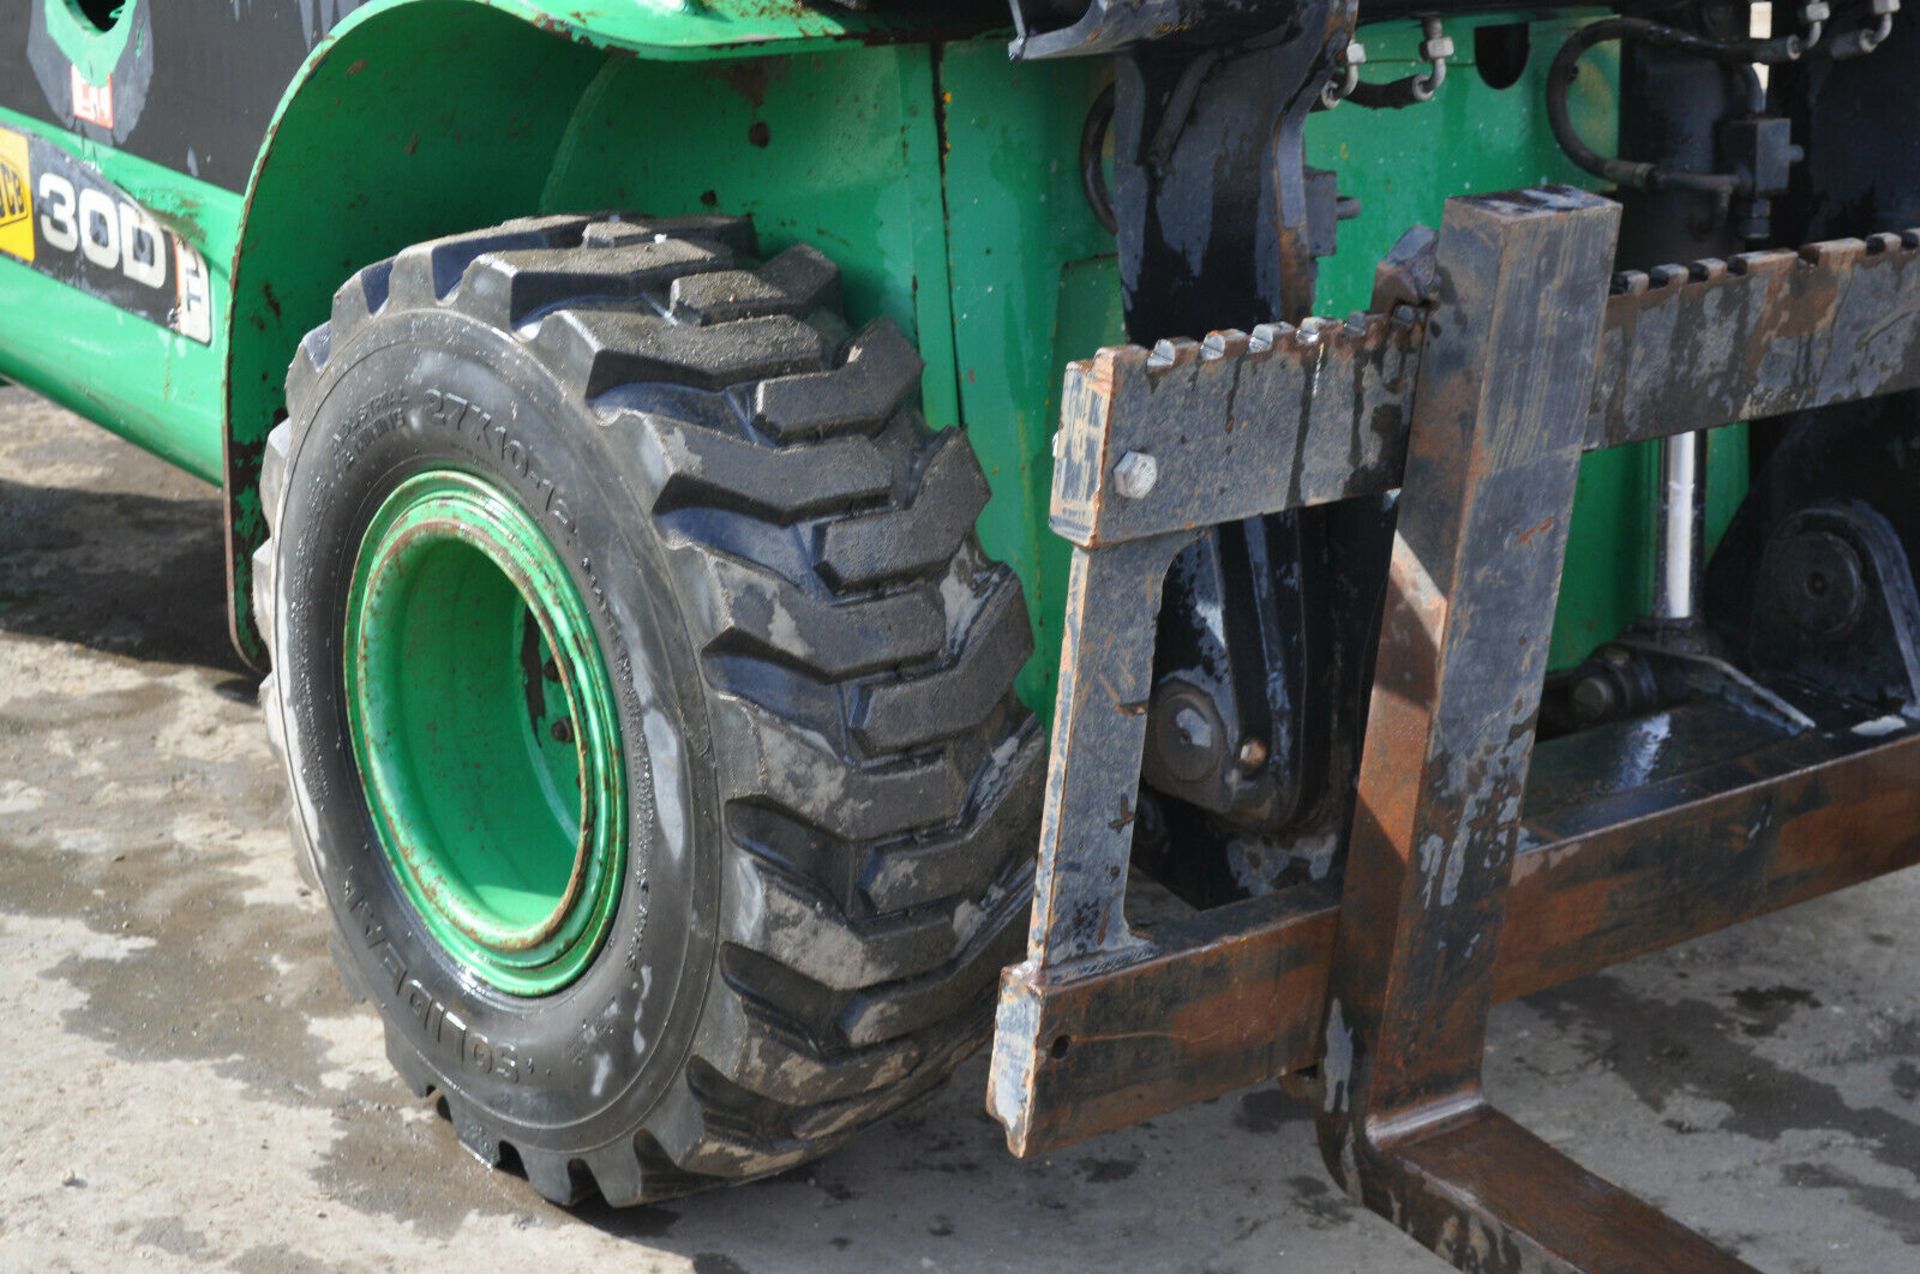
(16,197)
(92,103)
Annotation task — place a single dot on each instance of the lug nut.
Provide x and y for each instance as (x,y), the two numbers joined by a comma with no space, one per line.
(562,731)
(1252,755)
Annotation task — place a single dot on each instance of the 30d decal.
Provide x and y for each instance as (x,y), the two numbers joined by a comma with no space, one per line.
(69,222)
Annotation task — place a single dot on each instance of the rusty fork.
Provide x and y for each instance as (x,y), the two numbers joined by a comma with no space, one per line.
(1492,459)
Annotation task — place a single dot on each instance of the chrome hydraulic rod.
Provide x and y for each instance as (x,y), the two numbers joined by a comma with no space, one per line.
(1678,547)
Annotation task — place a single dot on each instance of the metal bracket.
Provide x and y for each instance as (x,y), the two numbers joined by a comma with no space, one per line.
(1836,607)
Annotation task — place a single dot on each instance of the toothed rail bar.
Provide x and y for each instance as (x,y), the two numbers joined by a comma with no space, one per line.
(1457,892)
(1284,417)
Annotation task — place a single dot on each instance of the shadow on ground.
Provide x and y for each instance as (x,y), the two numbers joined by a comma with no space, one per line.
(137,575)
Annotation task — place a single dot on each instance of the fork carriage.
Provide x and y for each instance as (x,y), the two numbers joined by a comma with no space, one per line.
(1481,865)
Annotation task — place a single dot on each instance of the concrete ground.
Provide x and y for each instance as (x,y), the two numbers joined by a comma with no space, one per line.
(184,1085)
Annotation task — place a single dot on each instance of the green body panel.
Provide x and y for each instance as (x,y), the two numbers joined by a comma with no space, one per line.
(941,177)
(150,385)
(1034,284)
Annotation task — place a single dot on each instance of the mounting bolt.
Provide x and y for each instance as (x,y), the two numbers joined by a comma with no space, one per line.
(1821,584)
(1594,698)
(1187,742)
(1253,755)
(1135,474)
(1194,730)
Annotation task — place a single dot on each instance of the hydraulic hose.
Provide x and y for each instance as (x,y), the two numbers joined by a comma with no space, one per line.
(1636,174)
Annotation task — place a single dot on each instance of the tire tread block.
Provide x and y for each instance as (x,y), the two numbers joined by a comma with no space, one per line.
(798,281)
(881,368)
(874,549)
(808,934)
(617,1174)
(963,863)
(689,466)
(597,350)
(743,1040)
(274,458)
(754,611)
(903,1008)
(896,715)
(560,1179)
(838,1120)
(429,272)
(356,301)
(507,287)
(796,773)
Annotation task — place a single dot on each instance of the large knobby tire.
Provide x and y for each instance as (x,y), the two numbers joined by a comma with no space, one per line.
(830,791)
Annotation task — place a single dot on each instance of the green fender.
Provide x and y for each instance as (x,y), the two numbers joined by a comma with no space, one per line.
(415,118)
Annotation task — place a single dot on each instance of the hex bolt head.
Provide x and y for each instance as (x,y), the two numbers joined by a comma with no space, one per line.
(1135,474)
(1252,755)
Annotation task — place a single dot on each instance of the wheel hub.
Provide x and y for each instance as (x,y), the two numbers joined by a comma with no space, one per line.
(483,725)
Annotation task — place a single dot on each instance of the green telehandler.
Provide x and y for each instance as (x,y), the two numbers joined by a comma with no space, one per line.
(1203,541)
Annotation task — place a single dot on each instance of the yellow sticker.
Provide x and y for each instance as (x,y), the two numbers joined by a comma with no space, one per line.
(16,197)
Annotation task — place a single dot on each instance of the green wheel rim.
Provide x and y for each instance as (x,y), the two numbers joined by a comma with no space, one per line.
(482,721)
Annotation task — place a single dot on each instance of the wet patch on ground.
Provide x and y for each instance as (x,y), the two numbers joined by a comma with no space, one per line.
(1665,1050)
(1268,1110)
